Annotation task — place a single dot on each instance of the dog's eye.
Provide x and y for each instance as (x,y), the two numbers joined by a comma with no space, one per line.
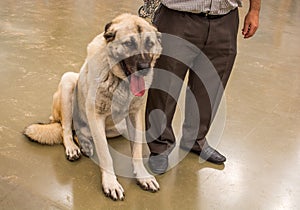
(149,43)
(128,44)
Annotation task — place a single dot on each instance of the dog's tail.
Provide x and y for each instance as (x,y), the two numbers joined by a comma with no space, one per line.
(45,133)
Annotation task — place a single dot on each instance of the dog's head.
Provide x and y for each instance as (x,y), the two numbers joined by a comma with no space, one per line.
(133,45)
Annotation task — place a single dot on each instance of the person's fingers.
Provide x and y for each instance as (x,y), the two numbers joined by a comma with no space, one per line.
(245,28)
(251,31)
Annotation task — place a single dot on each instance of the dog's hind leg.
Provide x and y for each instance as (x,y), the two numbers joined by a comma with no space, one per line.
(144,179)
(66,89)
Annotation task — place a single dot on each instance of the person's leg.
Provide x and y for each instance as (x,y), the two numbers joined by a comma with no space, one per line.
(169,73)
(220,49)
(203,83)
(161,104)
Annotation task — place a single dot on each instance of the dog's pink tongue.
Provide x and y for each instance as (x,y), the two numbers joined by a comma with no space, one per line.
(137,85)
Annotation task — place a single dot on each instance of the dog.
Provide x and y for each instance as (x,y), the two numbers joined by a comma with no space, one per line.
(105,99)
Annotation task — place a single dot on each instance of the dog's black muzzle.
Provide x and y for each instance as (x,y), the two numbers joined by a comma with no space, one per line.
(141,64)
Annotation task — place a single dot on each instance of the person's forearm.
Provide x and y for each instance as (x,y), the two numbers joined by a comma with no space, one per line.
(254,5)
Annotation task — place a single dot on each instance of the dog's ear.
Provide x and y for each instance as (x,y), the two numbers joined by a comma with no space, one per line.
(109,33)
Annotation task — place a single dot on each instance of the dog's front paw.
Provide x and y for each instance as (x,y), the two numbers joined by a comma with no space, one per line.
(112,188)
(144,179)
(148,183)
(73,152)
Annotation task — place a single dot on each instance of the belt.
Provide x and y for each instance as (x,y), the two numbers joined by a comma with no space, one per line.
(208,16)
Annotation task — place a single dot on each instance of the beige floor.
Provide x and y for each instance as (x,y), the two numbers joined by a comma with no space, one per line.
(261,139)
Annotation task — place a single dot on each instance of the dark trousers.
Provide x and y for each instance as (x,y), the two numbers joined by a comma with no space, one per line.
(187,39)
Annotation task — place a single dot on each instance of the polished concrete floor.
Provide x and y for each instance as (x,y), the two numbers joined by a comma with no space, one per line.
(258,128)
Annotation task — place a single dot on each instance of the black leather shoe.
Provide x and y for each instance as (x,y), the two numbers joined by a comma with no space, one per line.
(206,153)
(158,163)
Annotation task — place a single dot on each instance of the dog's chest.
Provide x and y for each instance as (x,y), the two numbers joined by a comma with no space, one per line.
(117,100)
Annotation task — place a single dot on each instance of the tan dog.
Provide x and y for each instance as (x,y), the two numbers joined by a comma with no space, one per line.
(106,99)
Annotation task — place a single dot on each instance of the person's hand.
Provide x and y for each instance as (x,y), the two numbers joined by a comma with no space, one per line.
(251,23)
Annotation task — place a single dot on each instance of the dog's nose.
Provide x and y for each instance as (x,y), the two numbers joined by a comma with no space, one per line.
(144,65)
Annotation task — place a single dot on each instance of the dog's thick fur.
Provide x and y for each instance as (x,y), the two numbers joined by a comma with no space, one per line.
(118,62)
